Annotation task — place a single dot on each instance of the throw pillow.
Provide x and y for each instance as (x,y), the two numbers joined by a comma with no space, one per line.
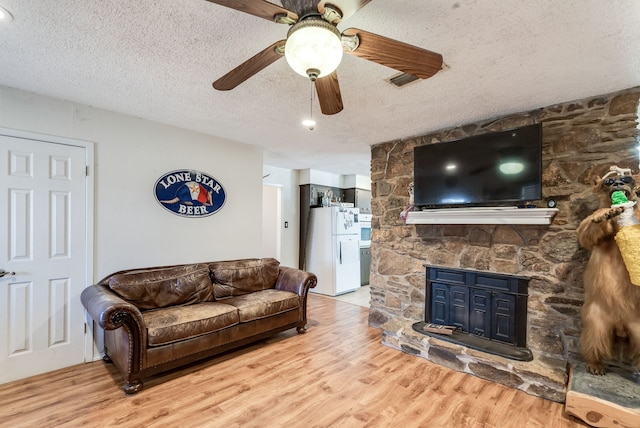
(238,277)
(160,287)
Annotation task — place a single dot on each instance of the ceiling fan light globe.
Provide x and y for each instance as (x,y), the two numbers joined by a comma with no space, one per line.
(313,45)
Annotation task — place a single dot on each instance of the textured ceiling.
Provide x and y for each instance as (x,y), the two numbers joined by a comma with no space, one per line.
(157,60)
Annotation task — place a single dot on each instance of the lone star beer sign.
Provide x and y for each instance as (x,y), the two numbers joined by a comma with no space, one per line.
(190,193)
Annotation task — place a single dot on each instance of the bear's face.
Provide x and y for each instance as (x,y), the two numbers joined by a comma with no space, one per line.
(604,188)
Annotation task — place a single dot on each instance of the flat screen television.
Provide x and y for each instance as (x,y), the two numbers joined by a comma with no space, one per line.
(495,169)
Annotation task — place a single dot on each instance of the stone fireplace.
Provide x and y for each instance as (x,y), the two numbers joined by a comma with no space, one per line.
(581,139)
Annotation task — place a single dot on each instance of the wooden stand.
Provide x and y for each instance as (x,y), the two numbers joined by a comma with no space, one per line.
(612,400)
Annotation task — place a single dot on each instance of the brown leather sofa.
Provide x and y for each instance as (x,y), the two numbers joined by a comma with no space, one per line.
(156,319)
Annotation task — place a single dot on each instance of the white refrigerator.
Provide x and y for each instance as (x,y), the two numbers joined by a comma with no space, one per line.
(333,249)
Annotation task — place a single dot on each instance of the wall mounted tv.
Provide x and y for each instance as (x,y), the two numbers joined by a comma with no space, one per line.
(495,169)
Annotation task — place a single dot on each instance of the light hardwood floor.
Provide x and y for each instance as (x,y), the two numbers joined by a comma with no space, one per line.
(336,375)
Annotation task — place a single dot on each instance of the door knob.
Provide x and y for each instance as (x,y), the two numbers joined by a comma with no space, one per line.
(5,273)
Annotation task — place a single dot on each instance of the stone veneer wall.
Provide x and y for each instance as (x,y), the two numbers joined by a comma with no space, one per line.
(581,139)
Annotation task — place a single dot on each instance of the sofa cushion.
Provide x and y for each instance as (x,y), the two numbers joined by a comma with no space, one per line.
(262,304)
(161,287)
(177,323)
(238,277)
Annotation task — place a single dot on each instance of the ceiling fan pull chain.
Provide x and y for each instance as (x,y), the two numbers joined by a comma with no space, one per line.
(311,107)
(310,123)
(311,103)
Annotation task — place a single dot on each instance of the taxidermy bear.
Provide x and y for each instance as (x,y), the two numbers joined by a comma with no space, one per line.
(611,309)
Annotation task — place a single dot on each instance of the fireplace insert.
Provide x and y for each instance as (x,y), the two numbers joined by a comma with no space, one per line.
(483,310)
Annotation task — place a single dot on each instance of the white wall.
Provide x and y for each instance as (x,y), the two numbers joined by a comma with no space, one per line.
(355,181)
(313,176)
(131,228)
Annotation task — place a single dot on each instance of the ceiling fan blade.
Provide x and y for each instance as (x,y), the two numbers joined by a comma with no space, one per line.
(347,7)
(401,56)
(249,67)
(259,8)
(328,90)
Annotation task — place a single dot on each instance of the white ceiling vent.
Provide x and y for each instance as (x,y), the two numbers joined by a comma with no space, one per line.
(402,79)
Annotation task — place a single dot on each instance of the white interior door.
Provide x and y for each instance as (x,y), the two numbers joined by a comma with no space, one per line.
(271,221)
(43,218)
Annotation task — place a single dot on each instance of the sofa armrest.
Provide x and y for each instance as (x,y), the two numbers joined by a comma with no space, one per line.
(295,280)
(111,311)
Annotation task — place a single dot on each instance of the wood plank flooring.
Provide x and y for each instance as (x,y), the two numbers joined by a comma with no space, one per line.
(336,375)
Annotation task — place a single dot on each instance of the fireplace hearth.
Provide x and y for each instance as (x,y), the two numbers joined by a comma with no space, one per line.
(488,310)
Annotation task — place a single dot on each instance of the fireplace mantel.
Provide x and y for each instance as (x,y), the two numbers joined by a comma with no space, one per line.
(483,215)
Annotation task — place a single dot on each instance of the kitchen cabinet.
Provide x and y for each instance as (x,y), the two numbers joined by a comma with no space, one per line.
(365,265)
(360,198)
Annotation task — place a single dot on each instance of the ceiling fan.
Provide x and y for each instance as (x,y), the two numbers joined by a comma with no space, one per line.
(314,46)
